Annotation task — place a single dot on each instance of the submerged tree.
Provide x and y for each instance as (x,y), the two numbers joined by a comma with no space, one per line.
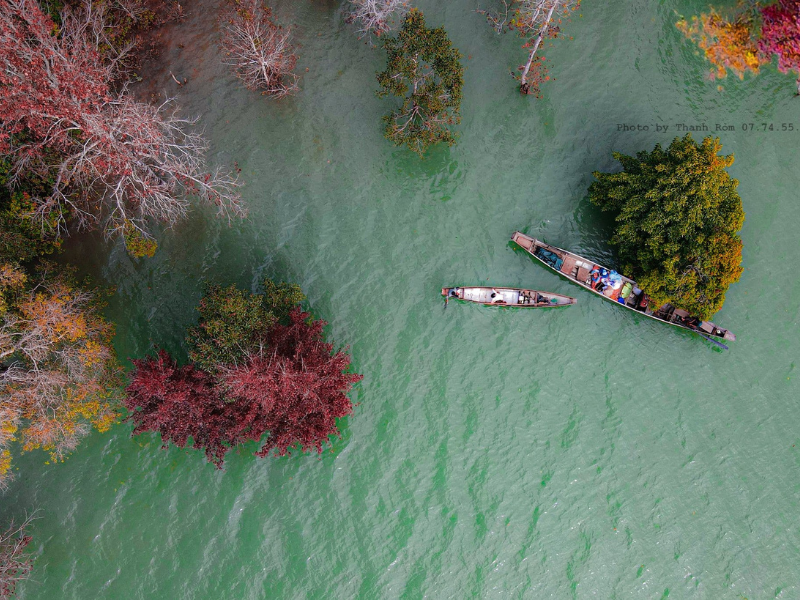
(262,368)
(535,21)
(375,17)
(109,161)
(60,376)
(745,38)
(234,324)
(15,563)
(678,216)
(728,42)
(298,384)
(425,70)
(780,35)
(258,49)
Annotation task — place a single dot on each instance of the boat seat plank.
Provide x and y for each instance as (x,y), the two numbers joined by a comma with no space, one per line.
(569,265)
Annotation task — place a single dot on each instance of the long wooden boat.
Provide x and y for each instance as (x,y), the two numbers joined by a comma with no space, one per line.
(502,296)
(586,273)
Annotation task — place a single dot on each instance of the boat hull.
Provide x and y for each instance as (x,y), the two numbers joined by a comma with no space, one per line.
(578,269)
(511,297)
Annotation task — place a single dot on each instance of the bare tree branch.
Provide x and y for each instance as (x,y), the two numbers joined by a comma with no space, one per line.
(114,162)
(376,17)
(15,564)
(259,49)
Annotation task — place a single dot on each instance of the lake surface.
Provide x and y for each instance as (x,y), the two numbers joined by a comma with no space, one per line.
(584,452)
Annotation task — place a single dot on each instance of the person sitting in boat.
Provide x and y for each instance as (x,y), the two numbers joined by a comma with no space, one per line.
(497,298)
(595,275)
(454,292)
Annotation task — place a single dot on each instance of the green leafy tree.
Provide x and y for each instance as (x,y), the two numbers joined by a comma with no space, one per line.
(423,68)
(678,214)
(234,324)
(23,238)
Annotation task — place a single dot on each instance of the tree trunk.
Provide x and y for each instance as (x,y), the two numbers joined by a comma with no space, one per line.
(523,82)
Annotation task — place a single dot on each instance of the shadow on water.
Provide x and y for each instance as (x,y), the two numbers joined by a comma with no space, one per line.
(597,228)
(594,228)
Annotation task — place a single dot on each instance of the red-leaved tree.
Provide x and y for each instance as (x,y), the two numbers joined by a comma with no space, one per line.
(113,162)
(47,82)
(179,402)
(298,384)
(293,390)
(780,34)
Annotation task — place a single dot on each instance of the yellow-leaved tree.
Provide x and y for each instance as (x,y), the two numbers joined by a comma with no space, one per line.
(59,375)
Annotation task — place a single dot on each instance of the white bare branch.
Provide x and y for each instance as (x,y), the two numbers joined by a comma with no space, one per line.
(260,50)
(118,163)
(376,17)
(15,564)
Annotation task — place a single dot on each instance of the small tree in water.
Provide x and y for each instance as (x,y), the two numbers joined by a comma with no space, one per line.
(536,21)
(15,563)
(745,38)
(259,49)
(424,62)
(678,215)
(780,35)
(375,17)
(59,376)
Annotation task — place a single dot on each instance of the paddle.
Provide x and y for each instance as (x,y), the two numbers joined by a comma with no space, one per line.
(723,346)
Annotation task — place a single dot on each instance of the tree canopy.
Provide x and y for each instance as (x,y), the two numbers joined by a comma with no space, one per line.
(423,68)
(746,37)
(261,367)
(677,216)
(107,160)
(234,324)
(780,34)
(59,375)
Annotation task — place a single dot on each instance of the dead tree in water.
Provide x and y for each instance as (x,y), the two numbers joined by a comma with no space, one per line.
(259,49)
(535,20)
(375,17)
(15,563)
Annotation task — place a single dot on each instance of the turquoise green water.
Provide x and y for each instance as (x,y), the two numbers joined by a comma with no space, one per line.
(578,453)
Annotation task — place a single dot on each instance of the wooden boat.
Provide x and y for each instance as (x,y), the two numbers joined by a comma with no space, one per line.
(501,296)
(584,272)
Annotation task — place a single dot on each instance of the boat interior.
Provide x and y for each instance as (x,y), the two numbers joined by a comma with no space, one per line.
(509,297)
(613,286)
(627,293)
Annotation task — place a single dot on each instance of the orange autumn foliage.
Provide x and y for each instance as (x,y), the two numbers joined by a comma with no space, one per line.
(60,375)
(727,43)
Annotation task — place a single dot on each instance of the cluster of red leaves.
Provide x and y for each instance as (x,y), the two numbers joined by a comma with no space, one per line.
(780,34)
(537,75)
(294,391)
(735,41)
(179,402)
(45,86)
